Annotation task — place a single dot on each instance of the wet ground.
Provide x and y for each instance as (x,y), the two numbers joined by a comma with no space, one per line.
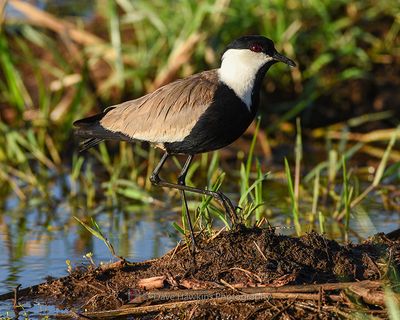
(249,264)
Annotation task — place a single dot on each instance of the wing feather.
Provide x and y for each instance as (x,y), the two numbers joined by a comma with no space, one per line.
(167,114)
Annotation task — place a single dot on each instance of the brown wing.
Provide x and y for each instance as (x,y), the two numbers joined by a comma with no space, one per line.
(167,114)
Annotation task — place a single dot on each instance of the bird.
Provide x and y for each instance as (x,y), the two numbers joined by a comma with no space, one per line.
(200,113)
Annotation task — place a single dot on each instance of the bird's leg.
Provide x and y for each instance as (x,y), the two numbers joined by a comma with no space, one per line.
(154,178)
(182,175)
(181,181)
(218,195)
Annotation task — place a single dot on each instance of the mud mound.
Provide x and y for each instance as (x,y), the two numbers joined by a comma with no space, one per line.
(242,259)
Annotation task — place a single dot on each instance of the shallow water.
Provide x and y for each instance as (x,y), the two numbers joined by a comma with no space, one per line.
(35,243)
(39,253)
(36,240)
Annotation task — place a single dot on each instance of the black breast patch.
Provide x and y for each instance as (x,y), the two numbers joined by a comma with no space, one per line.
(223,122)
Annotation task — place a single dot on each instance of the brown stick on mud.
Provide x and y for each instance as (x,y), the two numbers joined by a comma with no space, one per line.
(165,295)
(110,314)
(200,297)
(16,297)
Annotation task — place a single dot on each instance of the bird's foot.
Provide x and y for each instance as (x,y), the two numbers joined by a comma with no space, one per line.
(229,208)
(155,179)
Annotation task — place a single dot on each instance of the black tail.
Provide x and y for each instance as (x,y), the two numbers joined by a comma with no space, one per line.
(91,129)
(88,143)
(93,132)
(90,121)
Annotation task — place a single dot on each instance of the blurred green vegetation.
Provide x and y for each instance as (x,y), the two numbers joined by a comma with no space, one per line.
(55,68)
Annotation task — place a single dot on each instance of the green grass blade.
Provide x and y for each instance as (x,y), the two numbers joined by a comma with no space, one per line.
(295,210)
(346,199)
(178,228)
(96,231)
(254,185)
(315,196)
(382,165)
(17,94)
(298,157)
(116,41)
(249,161)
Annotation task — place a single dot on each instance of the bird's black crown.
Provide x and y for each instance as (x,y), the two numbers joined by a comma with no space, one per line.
(254,43)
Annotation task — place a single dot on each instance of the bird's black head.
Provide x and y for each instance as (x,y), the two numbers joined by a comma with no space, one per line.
(244,65)
(261,45)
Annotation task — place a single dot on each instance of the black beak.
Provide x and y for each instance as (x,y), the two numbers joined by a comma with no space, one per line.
(280,57)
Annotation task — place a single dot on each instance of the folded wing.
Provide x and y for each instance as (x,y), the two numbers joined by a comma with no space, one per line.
(167,114)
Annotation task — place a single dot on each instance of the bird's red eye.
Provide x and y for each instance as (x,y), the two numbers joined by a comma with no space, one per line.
(256,47)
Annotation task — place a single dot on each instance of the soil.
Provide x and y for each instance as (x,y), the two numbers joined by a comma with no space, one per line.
(245,259)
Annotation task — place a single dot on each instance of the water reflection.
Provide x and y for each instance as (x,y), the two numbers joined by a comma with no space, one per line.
(36,240)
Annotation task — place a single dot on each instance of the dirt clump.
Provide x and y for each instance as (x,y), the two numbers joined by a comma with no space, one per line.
(246,258)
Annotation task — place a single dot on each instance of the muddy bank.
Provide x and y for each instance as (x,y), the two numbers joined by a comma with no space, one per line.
(247,261)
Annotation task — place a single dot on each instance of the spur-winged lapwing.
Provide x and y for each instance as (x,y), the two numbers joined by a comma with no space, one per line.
(201,113)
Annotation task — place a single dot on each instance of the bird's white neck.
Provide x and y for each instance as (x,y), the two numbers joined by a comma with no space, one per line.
(238,71)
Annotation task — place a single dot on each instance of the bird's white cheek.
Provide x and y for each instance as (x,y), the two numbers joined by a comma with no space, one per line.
(238,71)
